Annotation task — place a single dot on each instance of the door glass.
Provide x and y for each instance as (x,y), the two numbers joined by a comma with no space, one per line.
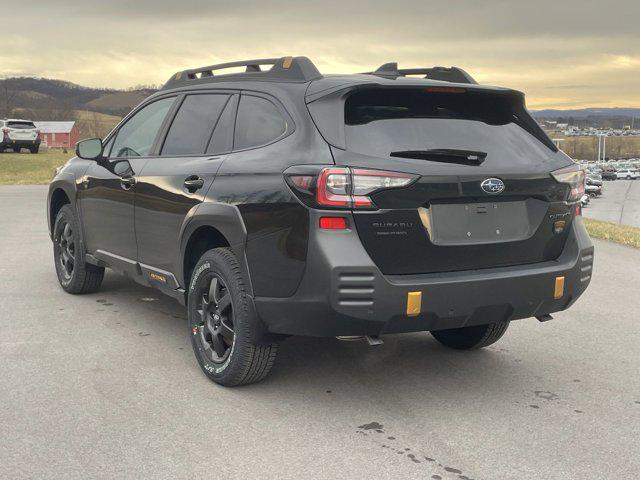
(259,122)
(193,124)
(107,147)
(222,137)
(135,138)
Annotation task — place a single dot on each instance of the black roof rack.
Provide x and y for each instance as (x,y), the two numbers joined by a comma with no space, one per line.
(284,69)
(445,74)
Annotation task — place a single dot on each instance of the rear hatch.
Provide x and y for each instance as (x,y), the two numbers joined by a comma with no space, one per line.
(483,195)
(21,130)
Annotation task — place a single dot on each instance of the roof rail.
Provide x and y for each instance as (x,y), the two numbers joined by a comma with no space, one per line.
(285,69)
(450,74)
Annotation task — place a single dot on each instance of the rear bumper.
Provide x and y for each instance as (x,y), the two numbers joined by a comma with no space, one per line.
(19,143)
(344,293)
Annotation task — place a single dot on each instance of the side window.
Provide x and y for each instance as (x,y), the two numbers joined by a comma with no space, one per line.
(107,147)
(258,122)
(135,138)
(193,124)
(222,137)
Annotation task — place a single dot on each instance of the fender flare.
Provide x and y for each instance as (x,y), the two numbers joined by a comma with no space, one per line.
(66,183)
(228,221)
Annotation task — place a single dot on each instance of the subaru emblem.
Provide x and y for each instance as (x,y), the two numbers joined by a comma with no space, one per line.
(492,186)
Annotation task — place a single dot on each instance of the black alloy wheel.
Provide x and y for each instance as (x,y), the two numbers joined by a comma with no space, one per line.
(65,249)
(74,273)
(215,328)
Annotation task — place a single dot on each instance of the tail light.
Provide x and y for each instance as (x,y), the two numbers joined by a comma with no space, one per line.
(573,176)
(344,187)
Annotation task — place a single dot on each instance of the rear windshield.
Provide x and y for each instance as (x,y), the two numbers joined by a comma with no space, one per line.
(383,121)
(21,125)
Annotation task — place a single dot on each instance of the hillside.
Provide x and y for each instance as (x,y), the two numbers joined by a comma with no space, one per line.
(587,112)
(47,96)
(117,102)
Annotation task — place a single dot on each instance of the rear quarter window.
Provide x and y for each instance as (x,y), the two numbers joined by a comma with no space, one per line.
(258,122)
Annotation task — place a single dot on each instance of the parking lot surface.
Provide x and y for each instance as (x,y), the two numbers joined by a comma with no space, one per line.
(106,386)
(619,203)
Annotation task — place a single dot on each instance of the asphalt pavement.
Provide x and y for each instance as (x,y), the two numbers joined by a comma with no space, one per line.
(106,386)
(619,203)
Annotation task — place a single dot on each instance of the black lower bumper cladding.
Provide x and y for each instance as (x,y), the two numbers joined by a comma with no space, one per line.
(363,301)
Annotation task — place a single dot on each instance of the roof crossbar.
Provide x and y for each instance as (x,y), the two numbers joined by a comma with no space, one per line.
(445,74)
(285,69)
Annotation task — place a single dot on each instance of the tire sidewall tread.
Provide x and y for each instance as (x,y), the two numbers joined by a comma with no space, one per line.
(247,362)
(473,337)
(86,278)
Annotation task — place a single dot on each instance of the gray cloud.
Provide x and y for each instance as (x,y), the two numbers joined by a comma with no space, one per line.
(588,50)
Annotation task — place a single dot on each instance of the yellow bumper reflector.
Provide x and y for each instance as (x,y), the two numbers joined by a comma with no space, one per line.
(559,289)
(414,303)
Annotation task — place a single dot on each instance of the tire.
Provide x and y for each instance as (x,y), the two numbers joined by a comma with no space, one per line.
(34,149)
(471,338)
(223,324)
(74,274)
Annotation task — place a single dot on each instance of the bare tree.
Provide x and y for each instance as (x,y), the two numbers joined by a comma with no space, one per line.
(7,101)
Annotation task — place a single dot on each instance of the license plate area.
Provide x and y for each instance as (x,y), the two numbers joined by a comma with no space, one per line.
(17,135)
(483,222)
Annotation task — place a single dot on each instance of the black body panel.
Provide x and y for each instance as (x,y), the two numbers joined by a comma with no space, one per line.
(163,203)
(276,223)
(107,208)
(399,244)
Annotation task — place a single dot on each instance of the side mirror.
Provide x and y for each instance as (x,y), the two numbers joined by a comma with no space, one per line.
(90,149)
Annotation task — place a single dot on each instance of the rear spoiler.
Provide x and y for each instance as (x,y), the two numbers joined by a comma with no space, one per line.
(443,74)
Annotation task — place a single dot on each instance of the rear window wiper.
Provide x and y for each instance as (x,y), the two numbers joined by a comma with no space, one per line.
(446,155)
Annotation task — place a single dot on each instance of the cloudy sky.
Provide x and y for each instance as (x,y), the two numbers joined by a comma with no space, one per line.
(561,53)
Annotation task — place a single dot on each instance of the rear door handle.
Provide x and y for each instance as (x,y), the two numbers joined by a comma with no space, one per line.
(127,182)
(193,183)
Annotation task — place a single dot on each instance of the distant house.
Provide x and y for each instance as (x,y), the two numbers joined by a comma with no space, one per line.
(58,134)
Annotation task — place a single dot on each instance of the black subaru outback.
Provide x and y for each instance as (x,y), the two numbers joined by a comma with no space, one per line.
(280,201)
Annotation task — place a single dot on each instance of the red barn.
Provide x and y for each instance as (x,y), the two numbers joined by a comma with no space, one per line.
(58,134)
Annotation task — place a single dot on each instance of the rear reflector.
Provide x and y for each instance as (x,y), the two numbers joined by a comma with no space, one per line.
(414,304)
(333,223)
(559,288)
